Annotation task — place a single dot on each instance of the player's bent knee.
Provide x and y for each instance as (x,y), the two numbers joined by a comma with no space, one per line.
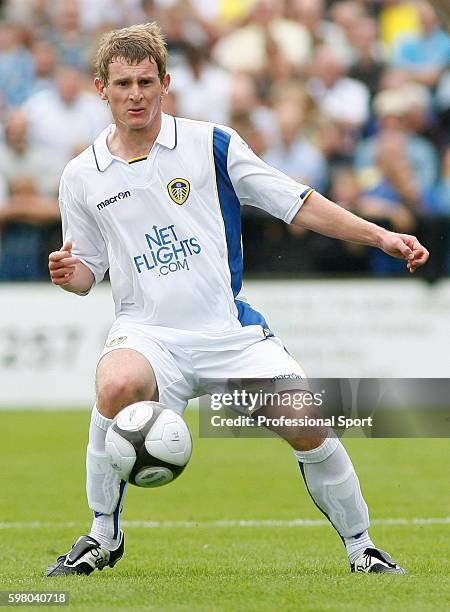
(303,431)
(303,442)
(115,394)
(123,378)
(301,438)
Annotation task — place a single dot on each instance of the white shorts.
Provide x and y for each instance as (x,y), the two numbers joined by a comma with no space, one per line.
(182,361)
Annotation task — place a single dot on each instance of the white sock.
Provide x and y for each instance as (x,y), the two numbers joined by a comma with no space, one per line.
(357,545)
(105,490)
(332,483)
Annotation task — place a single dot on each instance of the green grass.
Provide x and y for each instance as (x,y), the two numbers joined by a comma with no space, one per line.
(223,568)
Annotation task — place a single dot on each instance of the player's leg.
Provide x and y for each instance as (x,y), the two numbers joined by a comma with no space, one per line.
(326,469)
(324,463)
(139,369)
(124,377)
(332,483)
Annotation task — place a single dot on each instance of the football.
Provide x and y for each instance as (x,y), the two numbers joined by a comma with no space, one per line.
(148,444)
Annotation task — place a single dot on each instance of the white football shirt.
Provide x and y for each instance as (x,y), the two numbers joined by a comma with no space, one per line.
(169,227)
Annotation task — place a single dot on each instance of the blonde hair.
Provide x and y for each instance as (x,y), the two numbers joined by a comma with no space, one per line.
(133,44)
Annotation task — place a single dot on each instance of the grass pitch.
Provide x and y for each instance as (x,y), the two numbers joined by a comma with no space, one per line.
(199,563)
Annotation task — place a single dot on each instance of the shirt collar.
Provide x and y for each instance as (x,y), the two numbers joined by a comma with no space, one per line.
(167,137)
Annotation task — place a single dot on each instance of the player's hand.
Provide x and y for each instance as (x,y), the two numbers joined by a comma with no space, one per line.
(404,246)
(62,264)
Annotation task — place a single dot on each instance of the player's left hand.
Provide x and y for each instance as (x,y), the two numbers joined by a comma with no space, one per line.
(404,246)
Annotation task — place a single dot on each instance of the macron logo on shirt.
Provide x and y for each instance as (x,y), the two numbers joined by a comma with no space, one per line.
(108,201)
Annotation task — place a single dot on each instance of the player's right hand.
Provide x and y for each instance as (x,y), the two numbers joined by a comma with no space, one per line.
(62,264)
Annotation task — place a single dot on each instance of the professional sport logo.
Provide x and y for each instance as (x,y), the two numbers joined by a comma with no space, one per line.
(179,190)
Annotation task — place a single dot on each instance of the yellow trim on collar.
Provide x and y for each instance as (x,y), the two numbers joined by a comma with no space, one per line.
(136,159)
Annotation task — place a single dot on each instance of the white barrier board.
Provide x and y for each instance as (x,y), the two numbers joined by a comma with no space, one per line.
(362,329)
(50,340)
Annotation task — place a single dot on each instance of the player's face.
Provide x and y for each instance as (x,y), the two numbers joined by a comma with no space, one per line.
(134,93)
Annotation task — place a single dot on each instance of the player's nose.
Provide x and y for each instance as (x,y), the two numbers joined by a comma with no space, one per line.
(135,93)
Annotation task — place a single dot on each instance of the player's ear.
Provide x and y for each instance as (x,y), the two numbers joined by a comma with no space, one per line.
(166,84)
(100,88)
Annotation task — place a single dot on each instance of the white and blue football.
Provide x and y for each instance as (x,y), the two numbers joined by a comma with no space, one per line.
(148,444)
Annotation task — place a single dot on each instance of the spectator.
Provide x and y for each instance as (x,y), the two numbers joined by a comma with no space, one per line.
(293,154)
(73,45)
(108,14)
(394,197)
(343,99)
(227,11)
(398,19)
(367,64)
(416,98)
(30,206)
(16,67)
(204,89)
(425,54)
(442,105)
(335,255)
(21,160)
(391,108)
(246,48)
(181,30)
(441,7)
(437,197)
(345,190)
(418,117)
(394,193)
(393,77)
(68,118)
(311,15)
(19,11)
(245,100)
(45,60)
(253,136)
(335,143)
(296,78)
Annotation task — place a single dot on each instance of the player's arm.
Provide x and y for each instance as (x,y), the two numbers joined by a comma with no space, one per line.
(260,185)
(325,217)
(76,268)
(68,272)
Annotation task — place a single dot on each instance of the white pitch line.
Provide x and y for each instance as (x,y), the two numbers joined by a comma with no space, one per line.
(226,523)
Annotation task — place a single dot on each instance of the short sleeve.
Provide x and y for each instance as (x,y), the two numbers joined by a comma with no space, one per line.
(80,228)
(258,184)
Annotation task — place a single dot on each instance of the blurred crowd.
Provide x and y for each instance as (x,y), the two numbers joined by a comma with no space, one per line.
(351,97)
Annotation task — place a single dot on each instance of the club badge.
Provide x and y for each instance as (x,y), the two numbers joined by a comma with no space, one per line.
(179,190)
